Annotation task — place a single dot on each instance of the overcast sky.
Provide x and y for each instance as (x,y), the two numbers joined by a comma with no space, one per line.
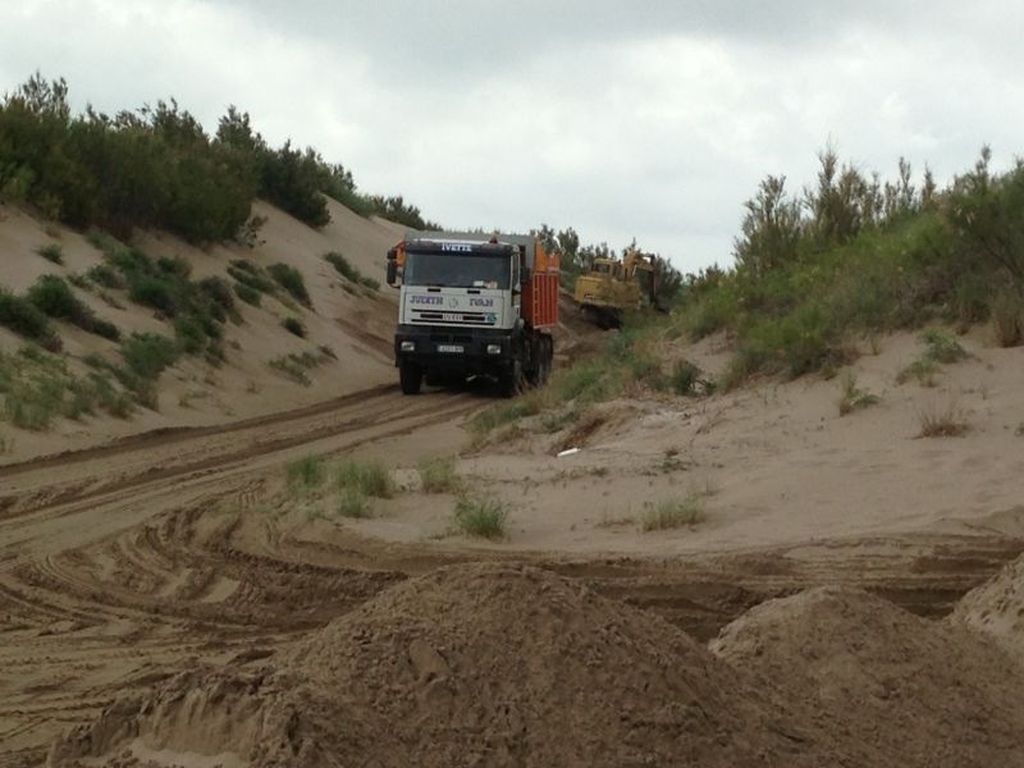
(623,118)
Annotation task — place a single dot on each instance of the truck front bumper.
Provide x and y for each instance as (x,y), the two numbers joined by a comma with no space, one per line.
(466,351)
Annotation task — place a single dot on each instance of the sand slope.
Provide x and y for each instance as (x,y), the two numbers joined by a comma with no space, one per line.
(355,324)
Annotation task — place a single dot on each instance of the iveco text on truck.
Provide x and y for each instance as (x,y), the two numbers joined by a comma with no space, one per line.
(474,305)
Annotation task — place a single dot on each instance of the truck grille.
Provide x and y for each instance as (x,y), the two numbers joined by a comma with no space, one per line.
(463,318)
(450,338)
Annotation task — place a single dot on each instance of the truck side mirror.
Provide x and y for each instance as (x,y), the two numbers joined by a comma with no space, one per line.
(392,274)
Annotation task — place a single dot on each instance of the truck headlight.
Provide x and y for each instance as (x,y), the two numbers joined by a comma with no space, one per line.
(494,349)
(408,346)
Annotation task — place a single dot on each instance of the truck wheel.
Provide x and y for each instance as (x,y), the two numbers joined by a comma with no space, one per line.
(512,383)
(411,376)
(547,360)
(535,373)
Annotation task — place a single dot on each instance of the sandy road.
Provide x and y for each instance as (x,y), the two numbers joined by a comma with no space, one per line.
(50,503)
(119,564)
(96,590)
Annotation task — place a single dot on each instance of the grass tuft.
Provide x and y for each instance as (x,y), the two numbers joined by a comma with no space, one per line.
(37,388)
(354,503)
(940,347)
(438,475)
(370,478)
(305,474)
(853,398)
(481,517)
(52,253)
(291,280)
(948,421)
(294,326)
(345,268)
(672,513)
(296,365)
(923,370)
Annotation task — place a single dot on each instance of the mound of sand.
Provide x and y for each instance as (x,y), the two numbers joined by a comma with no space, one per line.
(470,665)
(914,692)
(996,608)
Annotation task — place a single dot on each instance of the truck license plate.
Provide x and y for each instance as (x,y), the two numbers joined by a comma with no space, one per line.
(456,348)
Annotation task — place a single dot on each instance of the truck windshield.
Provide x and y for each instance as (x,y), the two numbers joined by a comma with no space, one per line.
(456,270)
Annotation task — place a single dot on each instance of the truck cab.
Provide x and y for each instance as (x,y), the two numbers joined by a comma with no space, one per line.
(468,306)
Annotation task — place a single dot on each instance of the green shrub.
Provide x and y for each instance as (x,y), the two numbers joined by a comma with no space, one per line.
(1008,318)
(942,348)
(939,348)
(55,298)
(306,473)
(247,294)
(51,295)
(52,252)
(481,517)
(251,276)
(370,479)
(151,168)
(105,328)
(24,318)
(254,280)
(438,475)
(191,335)
(174,266)
(80,281)
(294,326)
(342,266)
(684,377)
(147,354)
(395,209)
(106,276)
(672,513)
(156,292)
(293,367)
(156,167)
(218,291)
(197,308)
(242,265)
(291,280)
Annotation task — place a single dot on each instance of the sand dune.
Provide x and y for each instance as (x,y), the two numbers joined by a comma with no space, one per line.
(356,325)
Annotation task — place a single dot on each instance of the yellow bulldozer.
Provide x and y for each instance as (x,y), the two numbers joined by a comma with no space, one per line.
(613,287)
